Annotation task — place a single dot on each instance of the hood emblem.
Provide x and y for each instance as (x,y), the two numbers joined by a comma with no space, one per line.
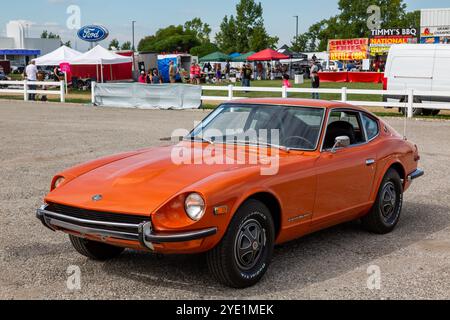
(97,197)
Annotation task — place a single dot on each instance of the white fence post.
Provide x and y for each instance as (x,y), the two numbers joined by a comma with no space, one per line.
(93,83)
(410,103)
(344,97)
(25,90)
(230,92)
(284,93)
(62,89)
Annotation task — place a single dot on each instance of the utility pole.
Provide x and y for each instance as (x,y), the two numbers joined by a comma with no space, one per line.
(133,48)
(296,27)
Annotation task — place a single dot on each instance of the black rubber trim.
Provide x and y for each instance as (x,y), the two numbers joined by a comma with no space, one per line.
(179,237)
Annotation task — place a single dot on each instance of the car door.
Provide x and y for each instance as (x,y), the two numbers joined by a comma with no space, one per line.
(344,176)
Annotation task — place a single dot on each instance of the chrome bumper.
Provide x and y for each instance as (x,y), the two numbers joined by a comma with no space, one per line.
(416,175)
(142,232)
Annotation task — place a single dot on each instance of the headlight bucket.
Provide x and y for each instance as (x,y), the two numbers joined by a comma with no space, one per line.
(57,182)
(194,206)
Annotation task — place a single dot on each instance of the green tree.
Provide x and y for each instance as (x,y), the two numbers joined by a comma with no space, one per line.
(227,37)
(351,21)
(126,46)
(68,44)
(204,49)
(301,43)
(170,39)
(114,44)
(201,30)
(49,35)
(246,31)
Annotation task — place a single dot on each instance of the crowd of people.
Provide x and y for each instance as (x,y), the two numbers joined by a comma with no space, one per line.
(219,72)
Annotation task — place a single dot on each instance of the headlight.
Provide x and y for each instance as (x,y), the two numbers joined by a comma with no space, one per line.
(58,182)
(195,206)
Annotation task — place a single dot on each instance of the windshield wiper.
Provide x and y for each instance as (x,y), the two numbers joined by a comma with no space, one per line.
(267,144)
(193,138)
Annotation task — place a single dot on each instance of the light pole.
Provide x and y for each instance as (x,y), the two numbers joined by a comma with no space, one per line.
(133,45)
(296,27)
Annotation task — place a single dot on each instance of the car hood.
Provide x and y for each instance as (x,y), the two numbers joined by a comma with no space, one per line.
(142,183)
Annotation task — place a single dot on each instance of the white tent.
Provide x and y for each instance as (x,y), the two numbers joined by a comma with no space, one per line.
(55,58)
(100,56)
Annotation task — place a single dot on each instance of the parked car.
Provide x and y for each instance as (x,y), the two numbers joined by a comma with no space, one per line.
(422,67)
(336,163)
(3,77)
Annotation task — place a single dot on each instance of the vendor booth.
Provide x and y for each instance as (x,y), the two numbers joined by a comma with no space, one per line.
(102,65)
(61,55)
(182,63)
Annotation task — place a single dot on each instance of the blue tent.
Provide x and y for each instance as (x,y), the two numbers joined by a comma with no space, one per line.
(234,55)
(164,65)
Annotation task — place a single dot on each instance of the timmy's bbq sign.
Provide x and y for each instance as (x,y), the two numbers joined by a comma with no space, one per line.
(348,49)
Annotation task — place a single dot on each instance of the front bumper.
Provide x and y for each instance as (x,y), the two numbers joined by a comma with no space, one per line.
(143,232)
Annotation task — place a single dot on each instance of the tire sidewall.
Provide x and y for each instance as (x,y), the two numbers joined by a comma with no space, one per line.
(393,177)
(263,216)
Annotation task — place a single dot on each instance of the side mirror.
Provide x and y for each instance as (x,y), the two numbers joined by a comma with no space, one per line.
(341,142)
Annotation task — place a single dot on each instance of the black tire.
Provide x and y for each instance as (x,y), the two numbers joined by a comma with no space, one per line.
(95,250)
(385,214)
(229,262)
(416,111)
(435,112)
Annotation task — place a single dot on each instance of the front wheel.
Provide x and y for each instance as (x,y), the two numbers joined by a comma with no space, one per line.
(95,250)
(385,214)
(244,254)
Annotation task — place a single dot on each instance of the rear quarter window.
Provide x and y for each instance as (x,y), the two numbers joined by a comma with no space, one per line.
(371,126)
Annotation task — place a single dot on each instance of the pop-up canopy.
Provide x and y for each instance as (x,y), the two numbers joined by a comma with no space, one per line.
(100,56)
(267,55)
(61,55)
(215,57)
(119,65)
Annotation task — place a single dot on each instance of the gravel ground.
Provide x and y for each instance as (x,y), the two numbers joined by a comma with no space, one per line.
(38,140)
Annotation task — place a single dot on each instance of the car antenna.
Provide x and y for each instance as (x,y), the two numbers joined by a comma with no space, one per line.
(405,125)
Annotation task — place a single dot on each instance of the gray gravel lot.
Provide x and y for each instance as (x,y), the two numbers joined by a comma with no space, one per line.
(38,140)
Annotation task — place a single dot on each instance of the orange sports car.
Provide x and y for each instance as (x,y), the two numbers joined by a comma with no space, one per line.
(255,173)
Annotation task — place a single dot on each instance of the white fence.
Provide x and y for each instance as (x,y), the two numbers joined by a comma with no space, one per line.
(23,87)
(344,93)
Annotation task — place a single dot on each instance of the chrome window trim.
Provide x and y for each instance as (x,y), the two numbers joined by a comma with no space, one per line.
(359,112)
(269,105)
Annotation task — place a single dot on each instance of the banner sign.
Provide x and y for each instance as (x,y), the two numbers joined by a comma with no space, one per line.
(435,31)
(382,45)
(93,33)
(350,49)
(411,32)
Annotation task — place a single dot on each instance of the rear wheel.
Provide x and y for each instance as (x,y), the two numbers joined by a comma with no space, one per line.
(416,111)
(385,214)
(244,254)
(95,250)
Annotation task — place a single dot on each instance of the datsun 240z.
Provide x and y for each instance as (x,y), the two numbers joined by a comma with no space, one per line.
(336,163)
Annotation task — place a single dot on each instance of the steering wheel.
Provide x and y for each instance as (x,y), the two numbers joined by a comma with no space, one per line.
(308,143)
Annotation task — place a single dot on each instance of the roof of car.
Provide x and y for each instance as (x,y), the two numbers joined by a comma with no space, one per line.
(296,103)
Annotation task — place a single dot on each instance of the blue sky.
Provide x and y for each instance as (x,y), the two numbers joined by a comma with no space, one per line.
(153,14)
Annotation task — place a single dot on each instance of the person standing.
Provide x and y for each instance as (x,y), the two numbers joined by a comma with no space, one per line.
(247,75)
(315,82)
(227,70)
(172,72)
(156,79)
(31,72)
(197,74)
(142,78)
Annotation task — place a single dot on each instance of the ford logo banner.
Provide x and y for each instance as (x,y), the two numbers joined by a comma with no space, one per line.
(93,33)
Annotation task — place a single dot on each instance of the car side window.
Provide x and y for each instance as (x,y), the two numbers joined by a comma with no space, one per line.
(344,123)
(371,126)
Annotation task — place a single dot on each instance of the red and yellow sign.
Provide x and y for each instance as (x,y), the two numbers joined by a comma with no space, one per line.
(350,49)
(381,45)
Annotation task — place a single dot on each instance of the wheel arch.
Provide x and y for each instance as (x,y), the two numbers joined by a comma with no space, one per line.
(395,165)
(272,203)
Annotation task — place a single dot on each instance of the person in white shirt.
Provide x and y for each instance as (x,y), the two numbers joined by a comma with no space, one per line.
(31,72)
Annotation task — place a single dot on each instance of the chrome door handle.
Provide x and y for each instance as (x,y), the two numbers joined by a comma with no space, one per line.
(370,162)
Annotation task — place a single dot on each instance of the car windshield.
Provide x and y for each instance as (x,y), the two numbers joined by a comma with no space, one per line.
(281,126)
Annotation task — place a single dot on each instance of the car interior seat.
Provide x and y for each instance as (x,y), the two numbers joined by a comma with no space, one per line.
(338,129)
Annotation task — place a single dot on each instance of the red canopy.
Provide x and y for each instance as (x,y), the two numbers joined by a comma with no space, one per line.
(267,55)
